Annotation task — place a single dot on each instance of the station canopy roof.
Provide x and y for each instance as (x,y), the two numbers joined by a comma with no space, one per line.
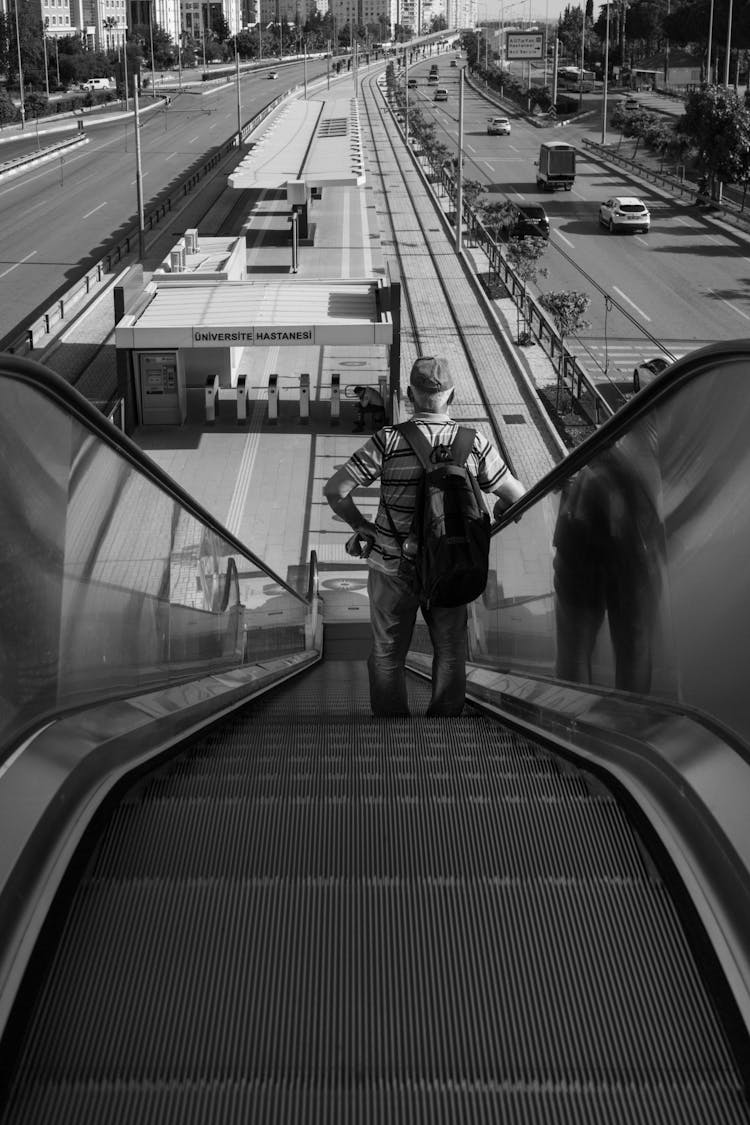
(260,313)
(316,141)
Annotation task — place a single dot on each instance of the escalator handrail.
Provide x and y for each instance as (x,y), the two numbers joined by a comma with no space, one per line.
(67,398)
(669,382)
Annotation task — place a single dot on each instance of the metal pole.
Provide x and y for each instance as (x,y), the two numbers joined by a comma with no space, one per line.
(57,62)
(406,80)
(710,39)
(237,72)
(151,36)
(460,165)
(46,70)
(125,68)
(179,42)
(305,71)
(729,48)
(138,173)
(606,79)
(20,69)
(583,51)
(328,67)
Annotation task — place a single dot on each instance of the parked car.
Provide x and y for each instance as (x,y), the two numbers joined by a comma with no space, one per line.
(273,74)
(498,126)
(441,94)
(532,222)
(625,212)
(645,373)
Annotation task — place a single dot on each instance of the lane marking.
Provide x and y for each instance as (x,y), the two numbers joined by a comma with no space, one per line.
(558,234)
(94,210)
(631,303)
(729,304)
(17,264)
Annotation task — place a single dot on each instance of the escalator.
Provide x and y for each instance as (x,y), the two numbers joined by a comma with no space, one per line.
(297,912)
(313,915)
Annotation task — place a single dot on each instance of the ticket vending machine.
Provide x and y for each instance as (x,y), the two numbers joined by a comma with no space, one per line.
(162,399)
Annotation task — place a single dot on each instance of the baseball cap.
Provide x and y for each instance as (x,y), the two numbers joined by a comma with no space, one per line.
(430,375)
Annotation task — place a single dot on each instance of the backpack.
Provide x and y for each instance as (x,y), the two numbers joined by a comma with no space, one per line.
(451,526)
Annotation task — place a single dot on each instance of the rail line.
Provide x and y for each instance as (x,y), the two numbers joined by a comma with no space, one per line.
(432,313)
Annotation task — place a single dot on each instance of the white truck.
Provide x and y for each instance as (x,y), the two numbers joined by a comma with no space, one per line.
(556,167)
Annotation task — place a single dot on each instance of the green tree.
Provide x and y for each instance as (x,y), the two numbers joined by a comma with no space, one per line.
(523,257)
(567,309)
(36,103)
(718,124)
(8,108)
(569,28)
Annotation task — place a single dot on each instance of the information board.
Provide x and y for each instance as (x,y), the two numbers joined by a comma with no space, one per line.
(524,45)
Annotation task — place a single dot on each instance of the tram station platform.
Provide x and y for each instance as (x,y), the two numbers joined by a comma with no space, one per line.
(264,481)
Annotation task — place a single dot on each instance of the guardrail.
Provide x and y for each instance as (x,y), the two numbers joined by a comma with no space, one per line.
(572,376)
(729,209)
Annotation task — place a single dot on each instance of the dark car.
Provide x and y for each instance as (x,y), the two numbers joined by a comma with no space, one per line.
(532,221)
(645,373)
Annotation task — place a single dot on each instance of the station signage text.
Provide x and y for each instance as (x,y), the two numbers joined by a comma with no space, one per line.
(232,337)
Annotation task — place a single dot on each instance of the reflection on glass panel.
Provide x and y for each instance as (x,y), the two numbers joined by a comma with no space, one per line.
(110,585)
(274,619)
(34,459)
(631,574)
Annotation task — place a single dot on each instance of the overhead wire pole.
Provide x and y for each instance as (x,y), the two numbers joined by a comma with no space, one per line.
(606,80)
(729,46)
(138,173)
(20,70)
(237,74)
(460,165)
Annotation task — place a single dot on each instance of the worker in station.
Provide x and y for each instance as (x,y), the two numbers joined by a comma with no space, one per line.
(370,402)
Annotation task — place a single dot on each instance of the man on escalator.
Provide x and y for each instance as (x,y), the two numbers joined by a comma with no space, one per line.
(393,603)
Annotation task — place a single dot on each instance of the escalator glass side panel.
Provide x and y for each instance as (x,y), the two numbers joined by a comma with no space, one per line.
(111,585)
(630,572)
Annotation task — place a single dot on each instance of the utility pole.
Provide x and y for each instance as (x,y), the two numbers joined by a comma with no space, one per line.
(460,166)
(606,80)
(237,73)
(139,174)
(20,70)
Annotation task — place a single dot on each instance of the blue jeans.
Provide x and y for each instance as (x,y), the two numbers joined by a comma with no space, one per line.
(393,612)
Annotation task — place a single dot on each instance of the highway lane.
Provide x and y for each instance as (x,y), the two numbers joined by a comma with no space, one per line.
(682,285)
(57,219)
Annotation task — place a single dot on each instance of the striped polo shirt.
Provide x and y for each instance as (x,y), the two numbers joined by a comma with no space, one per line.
(388,455)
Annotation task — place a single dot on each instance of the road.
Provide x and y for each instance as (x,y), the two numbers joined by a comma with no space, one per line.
(57,219)
(677,288)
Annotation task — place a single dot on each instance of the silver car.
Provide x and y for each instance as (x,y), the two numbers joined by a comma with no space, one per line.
(625,212)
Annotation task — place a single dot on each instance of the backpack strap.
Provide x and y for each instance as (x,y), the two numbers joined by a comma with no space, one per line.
(419,444)
(461,446)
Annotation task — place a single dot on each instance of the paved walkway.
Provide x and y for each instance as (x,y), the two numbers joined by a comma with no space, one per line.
(264,482)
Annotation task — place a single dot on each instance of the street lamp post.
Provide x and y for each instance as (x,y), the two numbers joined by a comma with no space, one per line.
(729,45)
(606,78)
(237,68)
(20,69)
(44,45)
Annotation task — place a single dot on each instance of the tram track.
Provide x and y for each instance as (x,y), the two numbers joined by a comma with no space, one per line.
(434,318)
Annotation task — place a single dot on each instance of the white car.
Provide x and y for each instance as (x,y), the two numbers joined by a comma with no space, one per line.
(273,74)
(498,126)
(625,212)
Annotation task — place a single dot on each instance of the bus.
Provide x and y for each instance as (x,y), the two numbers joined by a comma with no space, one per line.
(573,78)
